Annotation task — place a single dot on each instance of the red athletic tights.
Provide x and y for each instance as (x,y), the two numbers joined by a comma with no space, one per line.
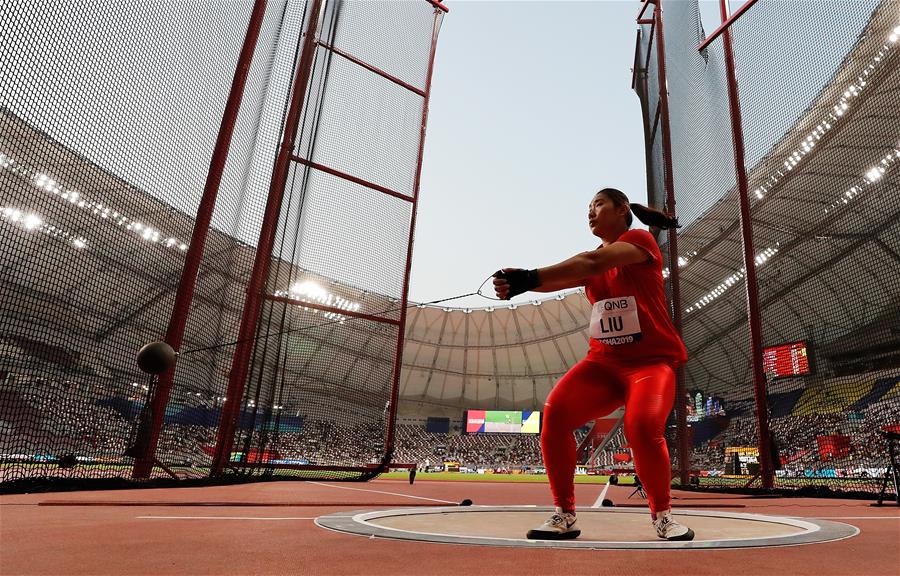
(592,390)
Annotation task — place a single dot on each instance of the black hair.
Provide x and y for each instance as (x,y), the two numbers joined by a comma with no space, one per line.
(649,216)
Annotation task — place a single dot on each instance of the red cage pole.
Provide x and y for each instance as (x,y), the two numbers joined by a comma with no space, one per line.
(149,439)
(253,301)
(680,413)
(398,357)
(727,21)
(756,353)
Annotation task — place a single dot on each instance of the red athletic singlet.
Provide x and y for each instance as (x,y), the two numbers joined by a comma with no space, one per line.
(630,321)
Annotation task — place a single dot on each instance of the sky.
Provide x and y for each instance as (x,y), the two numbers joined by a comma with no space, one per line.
(531,112)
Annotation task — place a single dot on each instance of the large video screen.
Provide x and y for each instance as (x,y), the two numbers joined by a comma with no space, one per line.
(789,359)
(503,422)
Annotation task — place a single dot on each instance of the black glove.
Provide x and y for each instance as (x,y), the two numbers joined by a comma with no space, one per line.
(520,281)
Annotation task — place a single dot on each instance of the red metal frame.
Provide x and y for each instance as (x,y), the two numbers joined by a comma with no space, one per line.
(144,462)
(398,358)
(680,413)
(652,193)
(438,5)
(640,16)
(637,62)
(371,68)
(650,45)
(353,179)
(753,315)
(253,302)
(256,294)
(726,24)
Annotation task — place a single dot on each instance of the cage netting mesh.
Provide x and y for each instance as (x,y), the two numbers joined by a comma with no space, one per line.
(109,114)
(817,84)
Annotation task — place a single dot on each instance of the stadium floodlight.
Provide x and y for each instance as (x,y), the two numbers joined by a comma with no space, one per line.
(731,280)
(12,214)
(148,233)
(874,174)
(839,109)
(308,288)
(31,222)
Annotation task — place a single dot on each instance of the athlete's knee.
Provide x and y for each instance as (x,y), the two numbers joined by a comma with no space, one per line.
(556,419)
(552,417)
(644,430)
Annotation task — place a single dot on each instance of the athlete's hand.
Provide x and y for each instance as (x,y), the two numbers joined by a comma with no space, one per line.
(510,282)
(501,284)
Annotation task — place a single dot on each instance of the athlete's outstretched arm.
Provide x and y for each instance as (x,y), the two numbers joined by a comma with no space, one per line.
(576,270)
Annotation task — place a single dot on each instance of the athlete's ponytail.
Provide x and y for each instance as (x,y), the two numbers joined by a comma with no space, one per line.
(649,216)
(654,217)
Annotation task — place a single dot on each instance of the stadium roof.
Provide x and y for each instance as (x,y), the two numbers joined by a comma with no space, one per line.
(507,357)
(825,211)
(118,253)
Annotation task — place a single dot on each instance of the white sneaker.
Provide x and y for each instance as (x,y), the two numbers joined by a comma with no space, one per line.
(669,529)
(560,526)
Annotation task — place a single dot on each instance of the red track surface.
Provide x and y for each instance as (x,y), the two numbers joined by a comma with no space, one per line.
(268,528)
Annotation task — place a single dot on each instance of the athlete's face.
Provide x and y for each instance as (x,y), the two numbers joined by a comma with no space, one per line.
(604,216)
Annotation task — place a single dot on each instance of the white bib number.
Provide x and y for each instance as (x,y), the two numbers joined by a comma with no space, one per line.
(614,321)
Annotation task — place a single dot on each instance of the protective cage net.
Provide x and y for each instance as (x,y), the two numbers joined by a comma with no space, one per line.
(319,393)
(109,114)
(817,83)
